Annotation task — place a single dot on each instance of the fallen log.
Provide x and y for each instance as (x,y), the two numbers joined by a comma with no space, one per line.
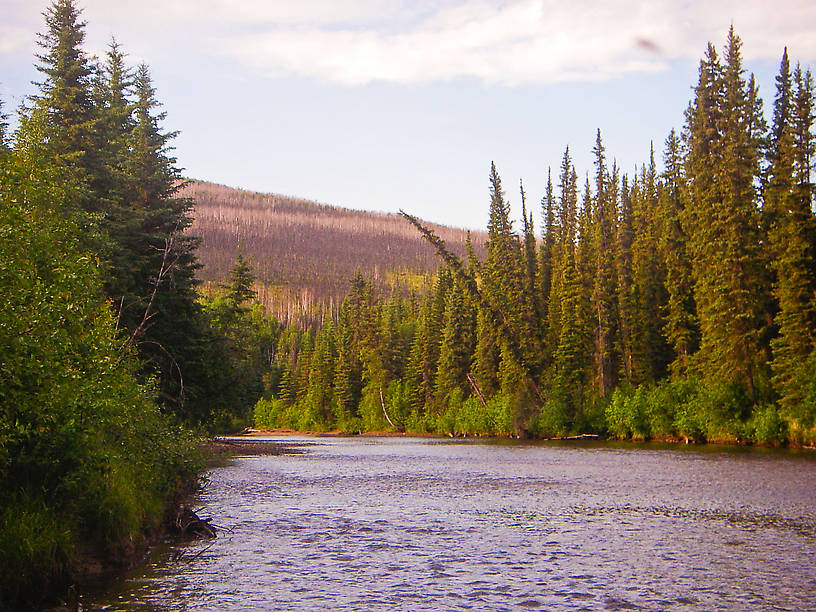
(189,524)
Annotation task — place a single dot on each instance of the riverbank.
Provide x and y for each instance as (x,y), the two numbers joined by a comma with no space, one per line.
(254,446)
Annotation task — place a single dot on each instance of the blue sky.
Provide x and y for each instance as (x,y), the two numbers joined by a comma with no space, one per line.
(388,104)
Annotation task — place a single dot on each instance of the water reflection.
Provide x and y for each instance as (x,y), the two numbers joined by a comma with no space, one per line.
(426,524)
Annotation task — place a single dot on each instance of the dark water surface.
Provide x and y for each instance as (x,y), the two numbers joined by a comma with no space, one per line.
(427,524)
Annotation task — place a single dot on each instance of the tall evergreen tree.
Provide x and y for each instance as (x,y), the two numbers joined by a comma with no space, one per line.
(240,283)
(458,345)
(723,137)
(564,240)
(319,393)
(500,275)
(64,109)
(530,306)
(572,352)
(649,268)
(156,293)
(586,317)
(348,374)
(546,254)
(604,282)
(627,289)
(788,207)
(681,328)
(804,146)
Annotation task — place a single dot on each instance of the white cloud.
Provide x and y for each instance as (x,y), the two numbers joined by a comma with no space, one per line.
(505,42)
(521,41)
(14,39)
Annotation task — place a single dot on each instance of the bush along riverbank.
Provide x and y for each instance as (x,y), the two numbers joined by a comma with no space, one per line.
(89,467)
(97,288)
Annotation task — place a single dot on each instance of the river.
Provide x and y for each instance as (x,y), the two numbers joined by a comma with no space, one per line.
(427,524)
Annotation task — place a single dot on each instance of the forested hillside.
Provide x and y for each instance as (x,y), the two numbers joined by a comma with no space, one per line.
(305,254)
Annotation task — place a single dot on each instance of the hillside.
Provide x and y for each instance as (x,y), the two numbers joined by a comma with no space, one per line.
(304,253)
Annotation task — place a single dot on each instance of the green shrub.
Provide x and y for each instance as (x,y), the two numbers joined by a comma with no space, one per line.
(716,412)
(474,419)
(618,419)
(371,409)
(767,426)
(446,420)
(552,420)
(398,400)
(85,455)
(265,414)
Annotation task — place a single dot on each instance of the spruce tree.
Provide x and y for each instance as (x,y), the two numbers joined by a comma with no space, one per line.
(791,223)
(347,380)
(804,146)
(604,282)
(681,326)
(457,346)
(64,109)
(564,239)
(653,353)
(572,352)
(627,289)
(499,271)
(546,254)
(586,317)
(240,283)
(530,307)
(486,357)
(320,390)
(723,137)
(156,293)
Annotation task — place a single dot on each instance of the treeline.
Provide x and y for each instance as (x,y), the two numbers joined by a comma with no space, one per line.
(303,253)
(106,356)
(673,304)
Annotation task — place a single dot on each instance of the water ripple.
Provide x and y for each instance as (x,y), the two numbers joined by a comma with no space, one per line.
(404,524)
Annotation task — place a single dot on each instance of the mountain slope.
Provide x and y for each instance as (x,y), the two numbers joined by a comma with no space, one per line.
(305,254)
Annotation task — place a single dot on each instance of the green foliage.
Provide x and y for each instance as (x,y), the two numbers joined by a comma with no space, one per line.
(715,412)
(239,285)
(723,137)
(81,441)
(35,551)
(767,426)
(87,460)
(791,226)
(554,419)
(650,412)
(271,414)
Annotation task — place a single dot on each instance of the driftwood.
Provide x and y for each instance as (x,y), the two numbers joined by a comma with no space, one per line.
(189,524)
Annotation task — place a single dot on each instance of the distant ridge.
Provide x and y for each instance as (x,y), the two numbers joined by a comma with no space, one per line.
(304,253)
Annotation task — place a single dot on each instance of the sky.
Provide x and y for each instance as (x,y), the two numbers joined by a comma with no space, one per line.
(403,104)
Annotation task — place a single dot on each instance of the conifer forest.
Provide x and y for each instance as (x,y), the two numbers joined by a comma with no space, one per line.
(676,302)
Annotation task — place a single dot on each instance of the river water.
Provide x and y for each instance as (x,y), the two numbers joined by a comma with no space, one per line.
(427,524)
